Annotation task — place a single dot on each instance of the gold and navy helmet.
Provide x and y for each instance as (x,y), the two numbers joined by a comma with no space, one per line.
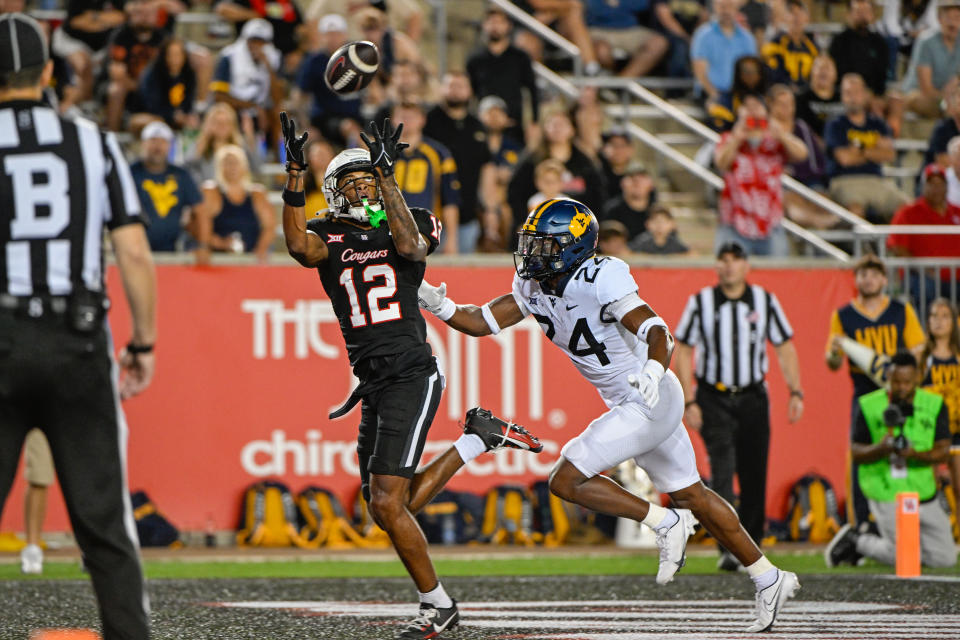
(557,236)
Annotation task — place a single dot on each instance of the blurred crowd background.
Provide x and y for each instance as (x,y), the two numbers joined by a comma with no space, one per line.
(859,102)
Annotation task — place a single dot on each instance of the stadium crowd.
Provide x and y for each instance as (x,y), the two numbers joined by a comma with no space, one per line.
(488,143)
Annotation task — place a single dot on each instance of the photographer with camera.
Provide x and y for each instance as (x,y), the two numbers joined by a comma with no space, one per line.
(899,436)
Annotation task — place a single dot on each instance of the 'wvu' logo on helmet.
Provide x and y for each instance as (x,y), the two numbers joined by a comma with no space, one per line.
(579,223)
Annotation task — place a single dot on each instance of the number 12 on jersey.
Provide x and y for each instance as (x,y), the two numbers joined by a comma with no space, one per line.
(377,313)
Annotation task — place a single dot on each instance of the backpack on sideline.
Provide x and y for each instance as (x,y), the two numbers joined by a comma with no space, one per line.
(269,517)
(558,522)
(452,517)
(508,516)
(153,529)
(326,523)
(812,514)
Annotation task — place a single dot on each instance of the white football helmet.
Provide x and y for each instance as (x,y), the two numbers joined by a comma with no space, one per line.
(346,162)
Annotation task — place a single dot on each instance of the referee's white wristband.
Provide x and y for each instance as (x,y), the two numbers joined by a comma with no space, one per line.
(447,308)
(491,321)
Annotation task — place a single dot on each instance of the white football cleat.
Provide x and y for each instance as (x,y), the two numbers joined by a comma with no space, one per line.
(673,545)
(770,600)
(31,560)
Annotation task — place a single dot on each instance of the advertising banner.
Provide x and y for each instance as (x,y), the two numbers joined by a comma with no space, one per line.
(250,361)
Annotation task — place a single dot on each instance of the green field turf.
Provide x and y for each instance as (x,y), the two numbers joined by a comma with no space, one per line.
(594,565)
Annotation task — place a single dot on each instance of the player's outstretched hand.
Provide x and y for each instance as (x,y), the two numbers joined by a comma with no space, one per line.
(293,144)
(385,146)
(648,382)
(137,373)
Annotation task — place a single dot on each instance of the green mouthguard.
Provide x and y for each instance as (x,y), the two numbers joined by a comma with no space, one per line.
(375,216)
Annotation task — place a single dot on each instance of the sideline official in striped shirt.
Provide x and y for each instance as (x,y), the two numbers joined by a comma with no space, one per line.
(724,329)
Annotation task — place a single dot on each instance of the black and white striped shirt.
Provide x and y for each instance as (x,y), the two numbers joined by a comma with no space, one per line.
(61,182)
(730,336)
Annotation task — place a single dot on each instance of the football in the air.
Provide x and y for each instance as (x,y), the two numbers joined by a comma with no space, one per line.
(352,67)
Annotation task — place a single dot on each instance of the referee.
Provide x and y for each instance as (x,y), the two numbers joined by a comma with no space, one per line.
(61,183)
(729,325)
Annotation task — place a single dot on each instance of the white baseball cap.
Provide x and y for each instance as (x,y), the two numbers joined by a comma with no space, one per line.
(332,22)
(257,29)
(157,129)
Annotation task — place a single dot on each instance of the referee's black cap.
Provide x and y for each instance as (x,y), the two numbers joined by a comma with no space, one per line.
(22,43)
(733,248)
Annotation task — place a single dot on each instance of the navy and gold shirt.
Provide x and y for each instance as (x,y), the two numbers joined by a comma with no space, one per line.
(790,62)
(895,328)
(427,176)
(942,376)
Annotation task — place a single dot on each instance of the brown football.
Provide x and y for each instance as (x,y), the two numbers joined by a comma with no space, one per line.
(352,67)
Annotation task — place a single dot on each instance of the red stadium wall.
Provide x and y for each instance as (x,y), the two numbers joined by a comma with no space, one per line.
(250,362)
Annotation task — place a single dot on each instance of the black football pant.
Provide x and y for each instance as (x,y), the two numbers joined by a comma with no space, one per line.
(736,432)
(63,382)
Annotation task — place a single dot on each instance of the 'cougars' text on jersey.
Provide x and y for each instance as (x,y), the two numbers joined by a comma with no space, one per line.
(373,289)
(577,322)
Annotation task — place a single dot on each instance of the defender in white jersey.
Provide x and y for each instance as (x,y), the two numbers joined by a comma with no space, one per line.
(589,307)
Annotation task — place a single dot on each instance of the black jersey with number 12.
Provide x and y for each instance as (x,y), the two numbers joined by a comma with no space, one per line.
(372,287)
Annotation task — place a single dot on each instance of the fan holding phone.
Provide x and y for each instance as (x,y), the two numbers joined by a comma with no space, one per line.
(751,158)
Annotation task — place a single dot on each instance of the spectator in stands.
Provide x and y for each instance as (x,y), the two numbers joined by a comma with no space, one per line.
(821,100)
(451,124)
(131,49)
(168,195)
(409,82)
(935,62)
(749,79)
(243,220)
(903,21)
(319,154)
(716,46)
(751,158)
(632,207)
(660,238)
(931,208)
(566,17)
(886,469)
(812,170)
(504,154)
(83,35)
(63,91)
(427,173)
(953,171)
(616,154)
(548,177)
(678,20)
(501,69)
(168,87)
(622,26)
(945,130)
(612,239)
(583,180)
(589,115)
(858,142)
(245,76)
(220,128)
(861,50)
(790,54)
(393,45)
(403,16)
(336,117)
(283,15)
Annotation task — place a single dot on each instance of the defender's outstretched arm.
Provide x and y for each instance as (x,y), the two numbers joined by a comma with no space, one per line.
(472,320)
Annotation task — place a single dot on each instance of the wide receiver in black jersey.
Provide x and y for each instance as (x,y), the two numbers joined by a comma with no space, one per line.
(370,250)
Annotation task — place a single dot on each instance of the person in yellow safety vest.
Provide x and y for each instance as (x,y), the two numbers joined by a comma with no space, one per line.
(898,437)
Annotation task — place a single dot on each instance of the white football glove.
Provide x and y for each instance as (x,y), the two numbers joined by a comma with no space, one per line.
(434,299)
(648,382)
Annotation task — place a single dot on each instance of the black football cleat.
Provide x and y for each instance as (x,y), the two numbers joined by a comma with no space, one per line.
(497,433)
(431,622)
(843,548)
